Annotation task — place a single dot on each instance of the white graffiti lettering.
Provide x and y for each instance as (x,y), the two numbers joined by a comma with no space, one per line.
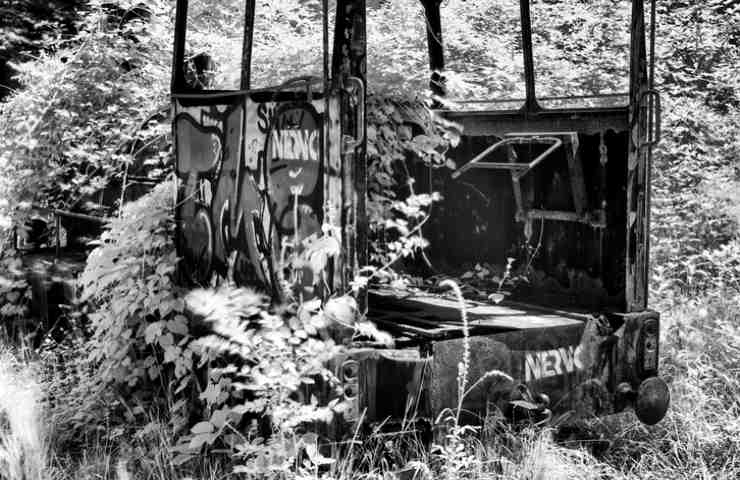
(550,363)
(295,145)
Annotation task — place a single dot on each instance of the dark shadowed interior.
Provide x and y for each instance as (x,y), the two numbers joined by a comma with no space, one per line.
(574,264)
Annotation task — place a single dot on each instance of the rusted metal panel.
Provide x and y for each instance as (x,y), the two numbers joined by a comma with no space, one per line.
(377,385)
(577,180)
(568,356)
(51,279)
(549,360)
(571,367)
(585,121)
(393,385)
(629,364)
(484,316)
(204,164)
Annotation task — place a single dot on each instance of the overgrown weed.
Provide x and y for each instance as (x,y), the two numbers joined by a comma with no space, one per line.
(542,458)
(23,438)
(700,436)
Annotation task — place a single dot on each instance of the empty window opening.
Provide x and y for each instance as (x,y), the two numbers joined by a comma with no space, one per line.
(484,65)
(213,45)
(581,52)
(288,41)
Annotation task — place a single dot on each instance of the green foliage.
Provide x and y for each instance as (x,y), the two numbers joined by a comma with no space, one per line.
(254,356)
(15,295)
(403,136)
(22,434)
(288,39)
(84,114)
(397,58)
(698,438)
(695,176)
(207,24)
(29,26)
(80,409)
(138,312)
(272,354)
(581,48)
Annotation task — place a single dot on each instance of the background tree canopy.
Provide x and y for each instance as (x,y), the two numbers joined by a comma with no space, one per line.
(29,26)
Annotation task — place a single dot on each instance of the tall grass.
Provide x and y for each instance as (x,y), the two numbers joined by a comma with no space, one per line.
(699,438)
(541,458)
(23,439)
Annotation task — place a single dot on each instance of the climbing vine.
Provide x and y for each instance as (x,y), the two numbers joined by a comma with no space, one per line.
(404,136)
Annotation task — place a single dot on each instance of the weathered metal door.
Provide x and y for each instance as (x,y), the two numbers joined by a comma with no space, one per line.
(261,170)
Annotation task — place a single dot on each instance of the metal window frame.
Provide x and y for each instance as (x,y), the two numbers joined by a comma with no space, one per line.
(531,104)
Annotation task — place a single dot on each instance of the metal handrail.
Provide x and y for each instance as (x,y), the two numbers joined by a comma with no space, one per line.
(518,169)
(654,117)
(352,143)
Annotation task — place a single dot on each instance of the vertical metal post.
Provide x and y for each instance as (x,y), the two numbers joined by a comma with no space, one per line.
(637,201)
(178,56)
(435,46)
(327,161)
(649,157)
(325,73)
(58,226)
(325,44)
(651,78)
(349,61)
(250,6)
(526,21)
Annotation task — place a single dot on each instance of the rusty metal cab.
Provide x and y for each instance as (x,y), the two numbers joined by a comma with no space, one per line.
(262,165)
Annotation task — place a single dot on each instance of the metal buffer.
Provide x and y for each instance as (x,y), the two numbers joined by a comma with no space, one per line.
(555,140)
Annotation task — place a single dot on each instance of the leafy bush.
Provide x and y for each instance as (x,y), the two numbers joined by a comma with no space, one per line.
(261,358)
(15,296)
(228,355)
(128,279)
(695,181)
(84,113)
(79,409)
(28,27)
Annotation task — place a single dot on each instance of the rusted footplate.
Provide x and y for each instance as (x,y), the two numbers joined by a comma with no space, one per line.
(558,362)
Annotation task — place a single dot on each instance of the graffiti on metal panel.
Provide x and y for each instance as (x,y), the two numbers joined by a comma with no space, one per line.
(550,363)
(220,208)
(293,159)
(235,207)
(197,163)
(583,370)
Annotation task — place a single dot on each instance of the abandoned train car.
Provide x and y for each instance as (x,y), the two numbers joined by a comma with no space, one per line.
(560,184)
